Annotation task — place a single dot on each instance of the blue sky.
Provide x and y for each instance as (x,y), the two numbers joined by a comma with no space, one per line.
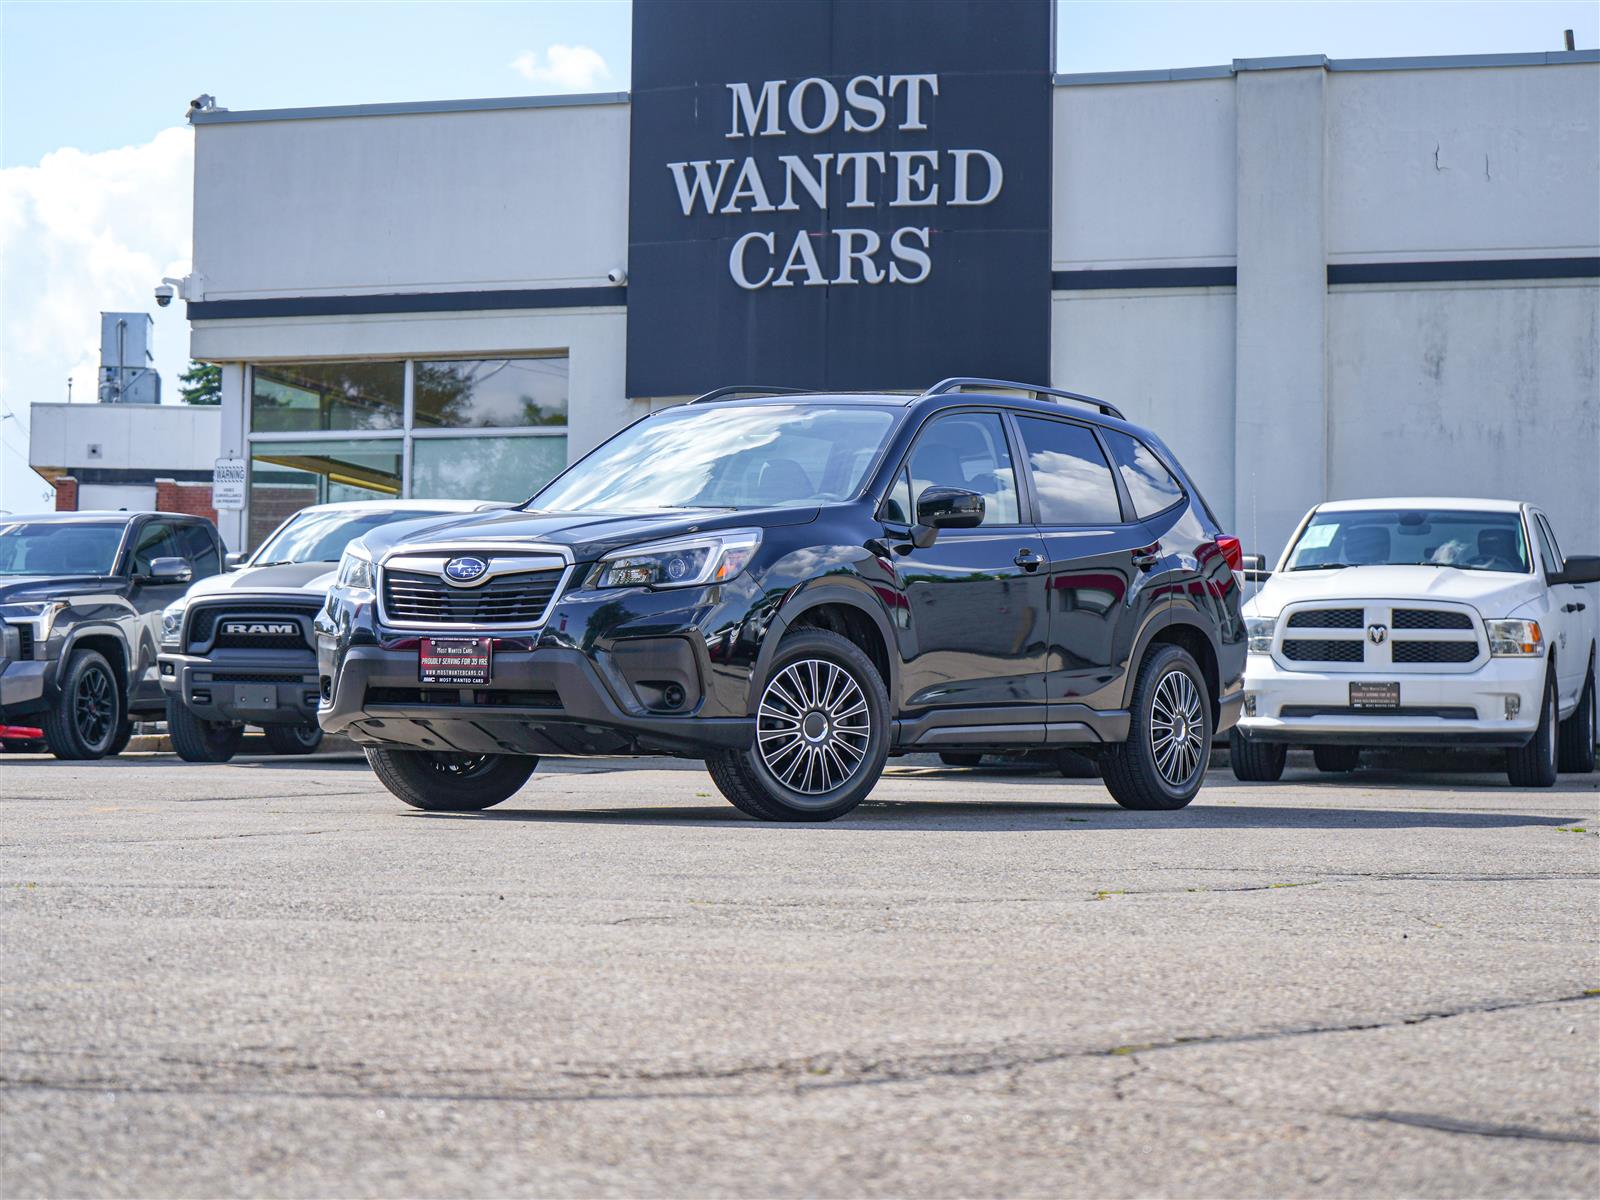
(96,76)
(96,159)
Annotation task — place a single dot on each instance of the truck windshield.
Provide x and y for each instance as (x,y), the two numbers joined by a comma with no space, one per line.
(60,547)
(726,456)
(322,536)
(1467,541)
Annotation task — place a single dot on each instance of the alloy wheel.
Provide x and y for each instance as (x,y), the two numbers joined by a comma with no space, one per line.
(813,727)
(462,766)
(1177,728)
(94,706)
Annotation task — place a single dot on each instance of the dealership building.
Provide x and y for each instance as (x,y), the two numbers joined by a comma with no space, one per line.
(1316,279)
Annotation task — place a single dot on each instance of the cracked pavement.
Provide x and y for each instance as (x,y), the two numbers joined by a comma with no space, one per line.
(271,978)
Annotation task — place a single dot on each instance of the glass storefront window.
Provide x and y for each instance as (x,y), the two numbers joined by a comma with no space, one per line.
(306,397)
(287,476)
(485,468)
(490,392)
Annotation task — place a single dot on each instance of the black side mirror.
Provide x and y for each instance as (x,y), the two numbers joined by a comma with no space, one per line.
(1579,568)
(169,570)
(1254,568)
(945,508)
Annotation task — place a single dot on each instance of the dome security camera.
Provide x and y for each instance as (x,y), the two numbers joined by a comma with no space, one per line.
(617,276)
(164,294)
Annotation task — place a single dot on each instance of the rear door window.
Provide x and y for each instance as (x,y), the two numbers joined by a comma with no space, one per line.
(1071,477)
(196,544)
(1150,485)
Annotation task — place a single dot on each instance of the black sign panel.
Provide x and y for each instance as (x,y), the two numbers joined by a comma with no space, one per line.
(838,193)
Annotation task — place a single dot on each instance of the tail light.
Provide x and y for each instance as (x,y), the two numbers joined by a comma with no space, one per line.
(1232,550)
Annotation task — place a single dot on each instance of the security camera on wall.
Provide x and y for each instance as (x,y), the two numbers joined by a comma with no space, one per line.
(164,294)
(617,276)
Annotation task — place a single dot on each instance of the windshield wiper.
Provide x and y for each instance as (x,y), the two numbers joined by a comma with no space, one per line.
(1323,567)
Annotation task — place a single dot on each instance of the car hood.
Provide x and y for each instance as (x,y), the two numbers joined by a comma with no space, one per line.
(299,578)
(1492,593)
(15,589)
(588,535)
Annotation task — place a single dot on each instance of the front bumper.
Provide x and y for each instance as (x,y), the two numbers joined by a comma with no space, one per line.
(24,685)
(261,689)
(1436,709)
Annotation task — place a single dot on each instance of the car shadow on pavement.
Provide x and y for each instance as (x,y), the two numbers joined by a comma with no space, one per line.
(1009,816)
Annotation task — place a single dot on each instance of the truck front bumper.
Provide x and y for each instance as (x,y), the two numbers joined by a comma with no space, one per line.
(260,689)
(1496,705)
(23,684)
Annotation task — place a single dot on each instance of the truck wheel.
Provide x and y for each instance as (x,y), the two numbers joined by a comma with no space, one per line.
(1162,764)
(293,739)
(440,782)
(1256,762)
(1534,765)
(951,758)
(86,717)
(1336,760)
(1579,732)
(199,741)
(822,734)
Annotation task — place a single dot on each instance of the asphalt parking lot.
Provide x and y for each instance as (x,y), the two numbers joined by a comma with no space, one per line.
(271,978)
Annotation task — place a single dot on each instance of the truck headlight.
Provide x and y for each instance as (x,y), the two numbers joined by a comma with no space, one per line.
(172,624)
(41,614)
(681,562)
(1259,630)
(355,570)
(1521,639)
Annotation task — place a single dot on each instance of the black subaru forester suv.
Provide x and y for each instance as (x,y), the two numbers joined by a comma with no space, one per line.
(794,587)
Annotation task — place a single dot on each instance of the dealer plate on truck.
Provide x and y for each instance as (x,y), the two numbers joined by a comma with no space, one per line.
(1374,695)
(456,661)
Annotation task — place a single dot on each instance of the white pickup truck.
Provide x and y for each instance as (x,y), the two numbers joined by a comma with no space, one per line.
(1422,622)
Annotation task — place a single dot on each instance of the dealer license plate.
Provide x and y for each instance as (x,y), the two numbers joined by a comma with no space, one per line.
(457,662)
(1374,695)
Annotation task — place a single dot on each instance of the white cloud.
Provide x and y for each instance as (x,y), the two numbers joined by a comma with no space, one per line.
(563,68)
(81,233)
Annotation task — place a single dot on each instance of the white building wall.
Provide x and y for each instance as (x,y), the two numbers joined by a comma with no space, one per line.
(171,437)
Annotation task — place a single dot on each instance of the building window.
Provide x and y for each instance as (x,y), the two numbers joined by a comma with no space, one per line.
(471,429)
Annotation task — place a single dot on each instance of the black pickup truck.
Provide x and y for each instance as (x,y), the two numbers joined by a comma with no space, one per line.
(81,598)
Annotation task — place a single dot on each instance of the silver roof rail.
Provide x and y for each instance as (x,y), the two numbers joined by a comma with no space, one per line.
(962,383)
(749,389)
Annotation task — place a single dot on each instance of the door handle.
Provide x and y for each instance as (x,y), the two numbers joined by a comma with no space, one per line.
(1147,557)
(1028,560)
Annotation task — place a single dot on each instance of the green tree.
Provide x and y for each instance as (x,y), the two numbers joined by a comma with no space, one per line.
(201,384)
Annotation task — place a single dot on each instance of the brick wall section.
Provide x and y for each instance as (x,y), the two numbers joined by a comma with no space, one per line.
(66,494)
(191,498)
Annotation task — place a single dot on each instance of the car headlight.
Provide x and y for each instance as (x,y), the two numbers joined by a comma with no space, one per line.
(682,562)
(1522,639)
(41,614)
(1260,630)
(355,570)
(172,624)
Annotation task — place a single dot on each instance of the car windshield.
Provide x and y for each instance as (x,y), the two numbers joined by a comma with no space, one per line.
(726,456)
(1468,541)
(314,536)
(60,547)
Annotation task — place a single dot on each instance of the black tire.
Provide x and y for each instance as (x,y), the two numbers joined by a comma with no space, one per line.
(1138,773)
(1255,762)
(200,741)
(1336,760)
(1579,732)
(1074,765)
(951,758)
(293,739)
(458,783)
(1534,765)
(768,781)
(83,722)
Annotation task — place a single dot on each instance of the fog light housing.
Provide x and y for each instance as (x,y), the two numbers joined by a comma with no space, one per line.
(1513,706)
(166,669)
(673,695)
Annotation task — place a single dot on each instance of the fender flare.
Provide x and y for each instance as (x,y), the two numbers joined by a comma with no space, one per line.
(88,631)
(858,596)
(1160,623)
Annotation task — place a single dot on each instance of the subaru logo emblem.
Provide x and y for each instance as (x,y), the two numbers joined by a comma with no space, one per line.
(465,569)
(1377,634)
